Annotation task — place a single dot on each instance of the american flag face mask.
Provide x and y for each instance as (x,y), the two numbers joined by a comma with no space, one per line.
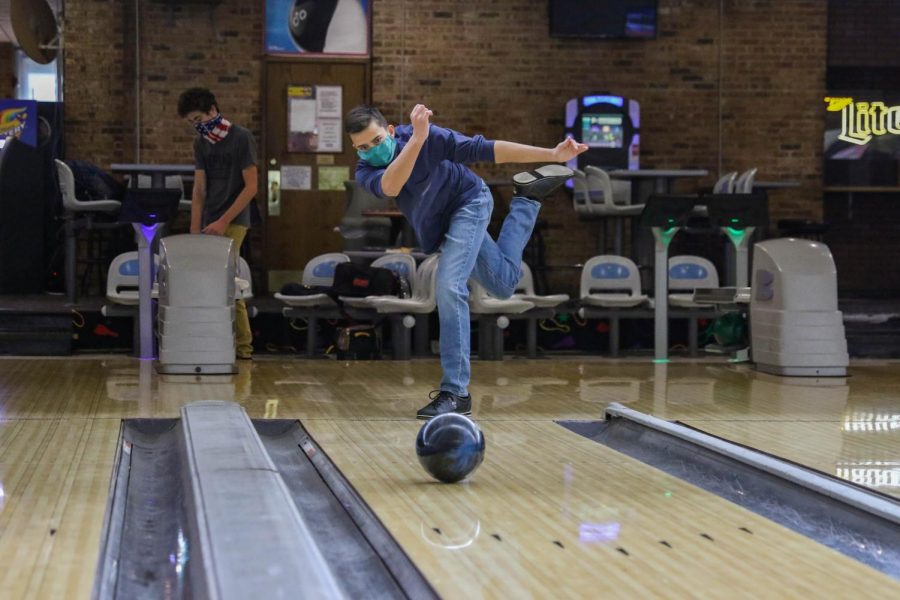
(215,129)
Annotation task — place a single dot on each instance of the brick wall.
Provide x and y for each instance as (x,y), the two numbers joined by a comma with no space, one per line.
(486,67)
(514,80)
(864,33)
(180,45)
(7,71)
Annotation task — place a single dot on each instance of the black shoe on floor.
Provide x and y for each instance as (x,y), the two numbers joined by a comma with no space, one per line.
(445,402)
(541,182)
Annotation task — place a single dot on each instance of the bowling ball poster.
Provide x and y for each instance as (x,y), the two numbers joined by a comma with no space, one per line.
(311,27)
(19,119)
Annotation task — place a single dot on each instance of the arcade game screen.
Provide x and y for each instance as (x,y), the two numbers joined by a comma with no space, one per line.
(602,130)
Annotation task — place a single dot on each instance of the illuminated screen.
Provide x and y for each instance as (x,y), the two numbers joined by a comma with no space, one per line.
(602,130)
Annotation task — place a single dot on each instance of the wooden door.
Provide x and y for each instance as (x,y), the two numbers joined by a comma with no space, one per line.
(305,226)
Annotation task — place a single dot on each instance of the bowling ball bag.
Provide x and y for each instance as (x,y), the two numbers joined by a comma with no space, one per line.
(358,342)
(298,289)
(358,281)
(93,183)
(730,329)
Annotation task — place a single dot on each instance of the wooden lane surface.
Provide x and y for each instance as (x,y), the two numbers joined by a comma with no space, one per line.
(55,477)
(59,421)
(550,514)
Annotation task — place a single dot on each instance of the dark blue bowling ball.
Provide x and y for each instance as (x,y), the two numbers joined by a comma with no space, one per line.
(450,447)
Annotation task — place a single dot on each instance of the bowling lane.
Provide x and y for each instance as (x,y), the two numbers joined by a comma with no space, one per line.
(55,479)
(865,452)
(552,514)
(59,417)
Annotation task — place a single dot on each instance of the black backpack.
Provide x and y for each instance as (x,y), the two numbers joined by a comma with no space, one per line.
(357,281)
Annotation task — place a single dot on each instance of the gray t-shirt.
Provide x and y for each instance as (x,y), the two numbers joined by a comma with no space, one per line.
(224,163)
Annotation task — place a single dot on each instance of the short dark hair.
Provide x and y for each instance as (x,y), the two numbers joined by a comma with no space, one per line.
(200,99)
(361,116)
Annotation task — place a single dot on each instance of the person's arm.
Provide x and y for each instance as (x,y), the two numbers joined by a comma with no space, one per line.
(240,203)
(511,152)
(397,173)
(198,196)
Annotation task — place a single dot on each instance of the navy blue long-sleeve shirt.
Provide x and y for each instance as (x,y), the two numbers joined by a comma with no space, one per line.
(439,183)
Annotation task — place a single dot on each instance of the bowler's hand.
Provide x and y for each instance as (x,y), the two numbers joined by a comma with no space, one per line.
(216,228)
(419,118)
(567,150)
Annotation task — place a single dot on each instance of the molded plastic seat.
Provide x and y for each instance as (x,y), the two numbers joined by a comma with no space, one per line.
(319,271)
(615,273)
(525,291)
(744,183)
(482,303)
(687,273)
(424,298)
(122,279)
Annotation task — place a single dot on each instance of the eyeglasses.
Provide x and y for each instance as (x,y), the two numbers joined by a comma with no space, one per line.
(375,142)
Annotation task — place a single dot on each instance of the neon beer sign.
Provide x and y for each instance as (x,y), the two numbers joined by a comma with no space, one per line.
(861,121)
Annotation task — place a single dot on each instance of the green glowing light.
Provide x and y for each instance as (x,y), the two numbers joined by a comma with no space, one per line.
(660,361)
(738,234)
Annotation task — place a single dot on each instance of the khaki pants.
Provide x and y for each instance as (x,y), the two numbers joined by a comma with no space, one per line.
(243,337)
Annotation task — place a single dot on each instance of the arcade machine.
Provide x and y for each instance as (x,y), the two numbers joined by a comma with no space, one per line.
(610,126)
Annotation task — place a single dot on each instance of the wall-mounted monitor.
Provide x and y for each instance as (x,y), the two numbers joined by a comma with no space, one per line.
(603,19)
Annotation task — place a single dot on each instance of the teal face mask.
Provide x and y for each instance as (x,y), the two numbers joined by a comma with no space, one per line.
(380,155)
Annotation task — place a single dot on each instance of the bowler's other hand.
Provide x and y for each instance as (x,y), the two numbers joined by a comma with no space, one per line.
(215,228)
(567,150)
(419,118)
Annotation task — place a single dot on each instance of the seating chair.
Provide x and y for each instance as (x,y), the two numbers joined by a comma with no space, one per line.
(687,273)
(525,291)
(319,271)
(407,313)
(610,199)
(493,317)
(122,279)
(122,298)
(725,184)
(744,183)
(80,215)
(580,195)
(543,306)
(611,282)
(404,265)
(611,289)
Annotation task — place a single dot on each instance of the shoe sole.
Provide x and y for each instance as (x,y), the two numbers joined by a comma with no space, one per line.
(546,171)
(468,413)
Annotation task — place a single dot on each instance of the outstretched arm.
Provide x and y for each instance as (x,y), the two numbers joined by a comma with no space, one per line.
(398,172)
(511,152)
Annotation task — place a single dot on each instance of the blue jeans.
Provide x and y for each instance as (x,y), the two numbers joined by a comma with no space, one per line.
(468,251)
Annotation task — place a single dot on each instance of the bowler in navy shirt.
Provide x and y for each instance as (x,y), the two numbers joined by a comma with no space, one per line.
(422,166)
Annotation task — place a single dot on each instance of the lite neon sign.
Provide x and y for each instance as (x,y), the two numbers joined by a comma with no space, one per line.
(861,121)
